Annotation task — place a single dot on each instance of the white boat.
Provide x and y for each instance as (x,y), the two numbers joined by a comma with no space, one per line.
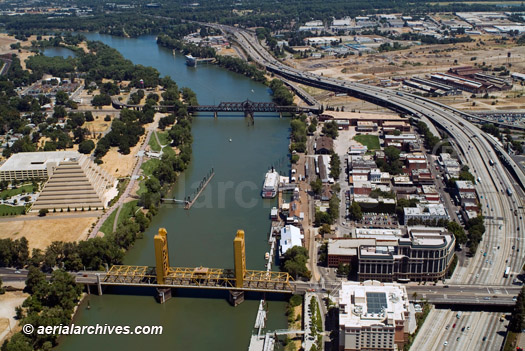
(267,255)
(230,140)
(191,61)
(271,182)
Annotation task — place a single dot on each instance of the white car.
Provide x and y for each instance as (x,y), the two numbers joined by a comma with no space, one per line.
(445,343)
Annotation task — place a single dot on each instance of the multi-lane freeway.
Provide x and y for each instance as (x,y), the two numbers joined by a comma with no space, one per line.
(504,213)
(502,245)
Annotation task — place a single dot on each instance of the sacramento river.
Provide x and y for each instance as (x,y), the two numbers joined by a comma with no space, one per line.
(193,319)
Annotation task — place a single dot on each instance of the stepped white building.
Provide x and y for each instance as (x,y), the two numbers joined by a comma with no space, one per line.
(75,182)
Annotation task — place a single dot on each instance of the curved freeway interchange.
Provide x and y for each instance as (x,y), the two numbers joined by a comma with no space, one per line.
(503,213)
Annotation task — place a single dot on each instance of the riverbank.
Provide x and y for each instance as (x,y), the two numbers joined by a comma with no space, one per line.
(203,235)
(8,303)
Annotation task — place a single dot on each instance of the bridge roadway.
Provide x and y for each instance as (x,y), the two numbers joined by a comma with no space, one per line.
(246,106)
(455,295)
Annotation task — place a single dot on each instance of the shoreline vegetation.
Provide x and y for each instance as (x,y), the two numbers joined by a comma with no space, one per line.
(52,302)
(169,17)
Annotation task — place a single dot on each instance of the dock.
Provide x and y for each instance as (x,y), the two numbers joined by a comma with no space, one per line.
(202,186)
(260,341)
(189,201)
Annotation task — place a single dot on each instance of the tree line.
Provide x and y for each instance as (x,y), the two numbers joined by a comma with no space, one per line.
(51,303)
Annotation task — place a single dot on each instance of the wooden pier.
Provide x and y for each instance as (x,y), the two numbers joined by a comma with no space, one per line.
(202,186)
(188,202)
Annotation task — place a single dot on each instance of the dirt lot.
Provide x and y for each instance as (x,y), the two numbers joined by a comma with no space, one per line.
(421,61)
(41,233)
(8,302)
(5,42)
(98,125)
(119,165)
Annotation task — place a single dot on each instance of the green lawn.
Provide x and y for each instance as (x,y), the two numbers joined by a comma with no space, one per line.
(370,141)
(6,210)
(153,143)
(149,166)
(107,227)
(168,150)
(28,188)
(164,138)
(510,341)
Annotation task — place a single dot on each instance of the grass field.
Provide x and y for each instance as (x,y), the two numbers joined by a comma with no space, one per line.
(148,167)
(107,227)
(370,141)
(6,210)
(28,188)
(164,138)
(153,144)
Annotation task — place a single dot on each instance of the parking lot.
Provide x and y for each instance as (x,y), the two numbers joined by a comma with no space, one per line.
(383,220)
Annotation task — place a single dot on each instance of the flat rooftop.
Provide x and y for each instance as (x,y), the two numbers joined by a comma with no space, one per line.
(36,160)
(372,303)
(347,247)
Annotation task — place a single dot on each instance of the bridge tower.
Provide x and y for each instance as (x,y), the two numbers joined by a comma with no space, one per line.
(162,260)
(239,256)
(162,263)
(248,110)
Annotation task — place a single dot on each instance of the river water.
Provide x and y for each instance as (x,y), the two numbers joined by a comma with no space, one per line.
(199,319)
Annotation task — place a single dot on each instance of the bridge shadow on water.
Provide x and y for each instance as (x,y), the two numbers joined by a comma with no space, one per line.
(239,115)
(192,293)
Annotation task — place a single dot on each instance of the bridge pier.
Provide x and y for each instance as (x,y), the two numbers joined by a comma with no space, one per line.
(248,114)
(236,297)
(163,294)
(99,285)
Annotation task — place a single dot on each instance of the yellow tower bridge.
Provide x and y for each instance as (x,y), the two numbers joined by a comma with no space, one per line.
(164,277)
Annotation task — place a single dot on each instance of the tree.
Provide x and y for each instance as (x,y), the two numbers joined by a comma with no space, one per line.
(294,262)
(61,97)
(517,320)
(43,212)
(343,269)
(101,100)
(2,289)
(458,231)
(333,208)
(335,166)
(36,281)
(88,116)
(325,229)
(322,218)
(86,146)
(19,342)
(355,211)
(331,129)
(59,111)
(317,186)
